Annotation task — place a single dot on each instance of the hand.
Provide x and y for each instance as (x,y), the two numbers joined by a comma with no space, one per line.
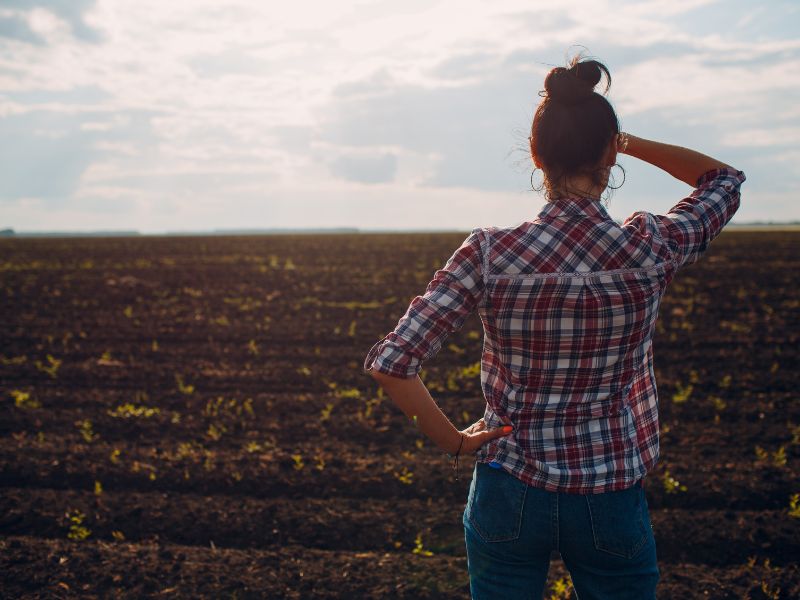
(476,435)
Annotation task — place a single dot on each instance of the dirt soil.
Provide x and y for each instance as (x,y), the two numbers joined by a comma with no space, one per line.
(187,417)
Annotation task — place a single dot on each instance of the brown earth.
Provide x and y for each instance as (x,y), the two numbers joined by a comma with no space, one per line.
(194,409)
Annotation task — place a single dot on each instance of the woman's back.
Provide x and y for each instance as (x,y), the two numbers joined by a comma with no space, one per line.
(568,303)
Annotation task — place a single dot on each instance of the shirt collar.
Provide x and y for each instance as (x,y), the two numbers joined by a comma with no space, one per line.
(570,207)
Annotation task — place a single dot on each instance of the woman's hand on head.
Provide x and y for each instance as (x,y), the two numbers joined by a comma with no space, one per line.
(477,434)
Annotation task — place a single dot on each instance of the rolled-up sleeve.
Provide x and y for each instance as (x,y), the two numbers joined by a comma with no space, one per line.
(691,224)
(453,293)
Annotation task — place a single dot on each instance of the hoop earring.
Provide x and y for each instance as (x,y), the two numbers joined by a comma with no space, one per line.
(540,187)
(616,187)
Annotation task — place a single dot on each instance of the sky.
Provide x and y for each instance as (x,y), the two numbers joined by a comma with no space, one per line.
(193,115)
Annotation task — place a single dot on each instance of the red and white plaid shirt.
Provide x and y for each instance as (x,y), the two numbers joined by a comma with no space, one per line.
(568,303)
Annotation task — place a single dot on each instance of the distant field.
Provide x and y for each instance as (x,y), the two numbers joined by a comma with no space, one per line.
(187,417)
(766,228)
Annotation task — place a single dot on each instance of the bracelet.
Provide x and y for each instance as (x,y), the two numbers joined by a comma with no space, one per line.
(455,458)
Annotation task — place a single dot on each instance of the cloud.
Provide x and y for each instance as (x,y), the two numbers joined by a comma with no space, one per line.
(17,28)
(365,168)
(228,62)
(762,138)
(47,158)
(461,66)
(73,12)
(53,150)
(474,130)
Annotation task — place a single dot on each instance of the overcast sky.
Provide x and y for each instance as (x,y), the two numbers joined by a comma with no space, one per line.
(200,114)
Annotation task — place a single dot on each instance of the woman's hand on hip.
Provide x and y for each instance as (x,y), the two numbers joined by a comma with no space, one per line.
(477,434)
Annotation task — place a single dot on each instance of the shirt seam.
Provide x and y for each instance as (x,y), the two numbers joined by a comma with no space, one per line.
(583,274)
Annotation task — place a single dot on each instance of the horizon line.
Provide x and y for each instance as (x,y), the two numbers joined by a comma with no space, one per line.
(11,233)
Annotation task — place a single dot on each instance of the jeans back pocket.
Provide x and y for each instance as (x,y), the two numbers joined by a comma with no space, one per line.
(495,504)
(617,521)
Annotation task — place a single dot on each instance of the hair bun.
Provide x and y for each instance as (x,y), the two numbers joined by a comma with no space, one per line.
(576,83)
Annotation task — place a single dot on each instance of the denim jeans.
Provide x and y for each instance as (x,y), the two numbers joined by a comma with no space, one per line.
(605,540)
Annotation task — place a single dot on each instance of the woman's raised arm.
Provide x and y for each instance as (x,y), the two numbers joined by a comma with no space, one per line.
(682,163)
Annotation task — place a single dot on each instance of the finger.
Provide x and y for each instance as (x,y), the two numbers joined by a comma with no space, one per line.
(483,437)
(497,432)
(476,440)
(476,427)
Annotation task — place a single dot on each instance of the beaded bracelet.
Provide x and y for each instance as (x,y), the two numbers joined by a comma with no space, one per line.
(455,458)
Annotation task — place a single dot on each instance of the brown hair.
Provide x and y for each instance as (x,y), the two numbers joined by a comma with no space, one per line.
(573,125)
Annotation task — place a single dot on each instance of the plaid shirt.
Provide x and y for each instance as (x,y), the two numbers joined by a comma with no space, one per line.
(568,303)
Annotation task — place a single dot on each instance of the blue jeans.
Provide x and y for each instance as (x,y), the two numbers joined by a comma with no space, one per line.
(605,540)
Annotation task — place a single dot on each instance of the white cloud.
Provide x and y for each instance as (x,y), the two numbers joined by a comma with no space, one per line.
(762,138)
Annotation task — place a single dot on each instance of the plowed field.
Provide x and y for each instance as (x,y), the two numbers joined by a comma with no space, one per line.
(187,417)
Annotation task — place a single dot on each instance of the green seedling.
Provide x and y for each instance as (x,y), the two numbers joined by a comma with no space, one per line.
(325,413)
(794,506)
(682,394)
(298,462)
(51,368)
(77,531)
(562,588)
(16,360)
(779,457)
(719,403)
(418,548)
(405,477)
(127,411)
(319,462)
(215,432)
(672,485)
(85,428)
(183,388)
(369,405)
(23,400)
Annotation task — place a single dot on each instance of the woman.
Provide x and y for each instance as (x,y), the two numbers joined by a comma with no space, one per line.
(568,303)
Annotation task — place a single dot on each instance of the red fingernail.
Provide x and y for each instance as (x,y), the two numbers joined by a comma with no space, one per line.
(507,429)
